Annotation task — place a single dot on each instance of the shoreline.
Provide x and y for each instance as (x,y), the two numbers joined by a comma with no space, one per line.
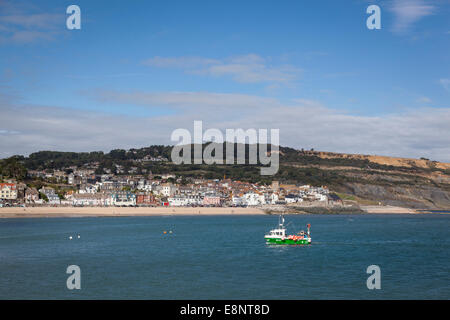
(49,212)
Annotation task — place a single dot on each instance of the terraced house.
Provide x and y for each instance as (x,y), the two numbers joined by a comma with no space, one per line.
(8,191)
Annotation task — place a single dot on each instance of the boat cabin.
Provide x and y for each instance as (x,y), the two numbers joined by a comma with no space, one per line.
(277,233)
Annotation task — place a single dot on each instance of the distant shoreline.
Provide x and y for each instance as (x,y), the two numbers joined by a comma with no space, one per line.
(48,212)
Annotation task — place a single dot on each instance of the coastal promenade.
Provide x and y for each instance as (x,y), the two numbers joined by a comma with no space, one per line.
(387,209)
(47,212)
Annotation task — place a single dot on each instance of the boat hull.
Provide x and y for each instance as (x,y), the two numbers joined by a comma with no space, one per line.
(287,241)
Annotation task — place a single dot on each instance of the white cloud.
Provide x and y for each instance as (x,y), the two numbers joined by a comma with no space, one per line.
(179,62)
(249,68)
(445,83)
(25,24)
(424,99)
(302,123)
(188,101)
(407,12)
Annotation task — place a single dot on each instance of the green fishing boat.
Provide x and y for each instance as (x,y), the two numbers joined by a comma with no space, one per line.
(279,236)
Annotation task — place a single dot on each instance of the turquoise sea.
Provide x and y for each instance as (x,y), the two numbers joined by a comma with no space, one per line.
(225,257)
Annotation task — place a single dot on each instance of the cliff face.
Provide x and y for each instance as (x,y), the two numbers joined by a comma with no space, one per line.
(418,197)
(388,161)
(413,183)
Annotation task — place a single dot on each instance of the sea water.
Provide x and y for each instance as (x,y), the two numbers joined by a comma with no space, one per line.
(225,257)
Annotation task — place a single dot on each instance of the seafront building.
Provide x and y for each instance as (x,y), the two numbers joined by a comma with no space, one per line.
(82,187)
(124,199)
(31,195)
(50,194)
(8,191)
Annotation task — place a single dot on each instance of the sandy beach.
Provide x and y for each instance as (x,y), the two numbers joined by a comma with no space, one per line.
(47,212)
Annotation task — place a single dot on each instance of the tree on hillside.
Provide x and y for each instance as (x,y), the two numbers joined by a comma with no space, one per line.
(43,196)
(12,168)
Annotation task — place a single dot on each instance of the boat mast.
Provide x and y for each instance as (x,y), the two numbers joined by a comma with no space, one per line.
(281,221)
(281,226)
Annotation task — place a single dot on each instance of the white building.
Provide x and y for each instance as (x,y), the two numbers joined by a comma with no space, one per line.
(8,191)
(293,198)
(321,197)
(87,199)
(238,201)
(144,185)
(254,199)
(167,189)
(91,189)
(273,198)
(185,200)
(178,201)
(52,197)
(124,198)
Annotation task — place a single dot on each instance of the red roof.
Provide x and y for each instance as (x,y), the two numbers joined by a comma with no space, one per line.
(12,185)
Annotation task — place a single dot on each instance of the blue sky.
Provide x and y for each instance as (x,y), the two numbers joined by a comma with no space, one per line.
(144,68)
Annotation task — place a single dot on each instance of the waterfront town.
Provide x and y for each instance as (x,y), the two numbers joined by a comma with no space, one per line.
(83,188)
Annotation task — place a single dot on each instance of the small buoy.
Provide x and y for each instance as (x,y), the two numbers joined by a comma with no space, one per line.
(165,232)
